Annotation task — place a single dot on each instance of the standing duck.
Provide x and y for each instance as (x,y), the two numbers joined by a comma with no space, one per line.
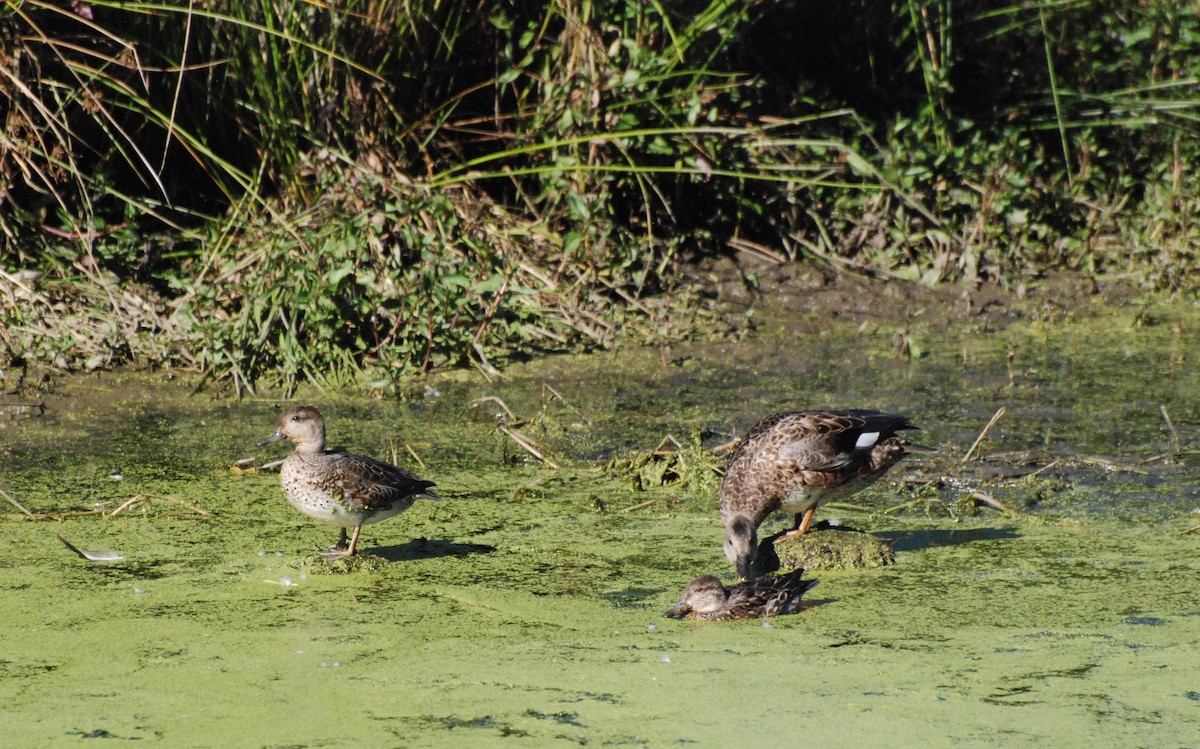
(706,598)
(796,461)
(340,488)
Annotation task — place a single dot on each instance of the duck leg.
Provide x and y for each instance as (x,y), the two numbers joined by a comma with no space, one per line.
(353,548)
(808,518)
(340,550)
(803,522)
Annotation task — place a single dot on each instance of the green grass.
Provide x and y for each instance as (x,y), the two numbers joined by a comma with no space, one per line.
(293,191)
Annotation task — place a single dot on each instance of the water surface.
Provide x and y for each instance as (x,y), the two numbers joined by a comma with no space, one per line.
(525,610)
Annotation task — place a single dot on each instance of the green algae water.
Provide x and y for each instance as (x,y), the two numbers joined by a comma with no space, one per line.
(525,609)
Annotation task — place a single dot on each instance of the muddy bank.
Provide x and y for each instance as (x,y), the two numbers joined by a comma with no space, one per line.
(817,293)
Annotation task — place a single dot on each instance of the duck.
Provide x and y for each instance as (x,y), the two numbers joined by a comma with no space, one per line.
(340,488)
(796,461)
(707,598)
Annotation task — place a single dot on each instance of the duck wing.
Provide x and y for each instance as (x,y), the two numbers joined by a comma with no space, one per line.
(834,440)
(780,594)
(373,484)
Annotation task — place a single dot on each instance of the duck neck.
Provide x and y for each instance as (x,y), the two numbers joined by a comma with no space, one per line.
(311,446)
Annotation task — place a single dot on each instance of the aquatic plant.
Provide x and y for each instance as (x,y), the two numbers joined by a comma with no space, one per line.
(683,467)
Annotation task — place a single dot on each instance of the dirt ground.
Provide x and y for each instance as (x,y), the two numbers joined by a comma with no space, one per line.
(745,280)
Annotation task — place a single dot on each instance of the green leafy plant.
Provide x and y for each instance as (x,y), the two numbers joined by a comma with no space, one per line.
(358,190)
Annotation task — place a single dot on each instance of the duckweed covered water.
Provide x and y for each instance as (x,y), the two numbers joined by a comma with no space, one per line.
(525,610)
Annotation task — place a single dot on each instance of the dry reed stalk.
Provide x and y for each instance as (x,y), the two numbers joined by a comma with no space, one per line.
(978,440)
(529,446)
(639,506)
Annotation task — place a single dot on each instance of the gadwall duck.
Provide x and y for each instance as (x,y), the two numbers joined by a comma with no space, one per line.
(340,488)
(798,460)
(706,598)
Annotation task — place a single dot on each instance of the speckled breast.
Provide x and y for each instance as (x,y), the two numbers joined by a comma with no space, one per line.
(799,499)
(301,481)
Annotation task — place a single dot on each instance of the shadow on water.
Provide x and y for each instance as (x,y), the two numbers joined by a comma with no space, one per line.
(915,540)
(126,570)
(424,548)
(633,597)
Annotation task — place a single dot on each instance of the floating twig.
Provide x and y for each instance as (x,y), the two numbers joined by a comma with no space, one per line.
(498,401)
(726,447)
(1015,456)
(104,513)
(1193,529)
(61,516)
(557,395)
(414,455)
(15,503)
(1170,426)
(753,248)
(408,448)
(246,465)
(1109,464)
(995,417)
(990,501)
(149,499)
(1164,456)
(1046,467)
(638,506)
(662,448)
(529,446)
(483,365)
(525,442)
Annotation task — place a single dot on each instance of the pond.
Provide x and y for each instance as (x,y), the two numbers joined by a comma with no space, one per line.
(1062,608)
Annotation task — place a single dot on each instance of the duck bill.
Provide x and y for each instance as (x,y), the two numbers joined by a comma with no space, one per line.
(678,611)
(273,438)
(745,568)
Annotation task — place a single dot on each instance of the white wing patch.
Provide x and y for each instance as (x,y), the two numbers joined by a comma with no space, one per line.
(866,440)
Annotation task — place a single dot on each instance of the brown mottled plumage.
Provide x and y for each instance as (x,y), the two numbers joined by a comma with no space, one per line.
(340,488)
(798,460)
(706,598)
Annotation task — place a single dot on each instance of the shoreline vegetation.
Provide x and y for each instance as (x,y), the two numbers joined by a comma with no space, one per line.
(270,194)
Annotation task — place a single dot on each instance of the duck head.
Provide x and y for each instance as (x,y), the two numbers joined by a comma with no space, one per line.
(704,595)
(741,545)
(304,426)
